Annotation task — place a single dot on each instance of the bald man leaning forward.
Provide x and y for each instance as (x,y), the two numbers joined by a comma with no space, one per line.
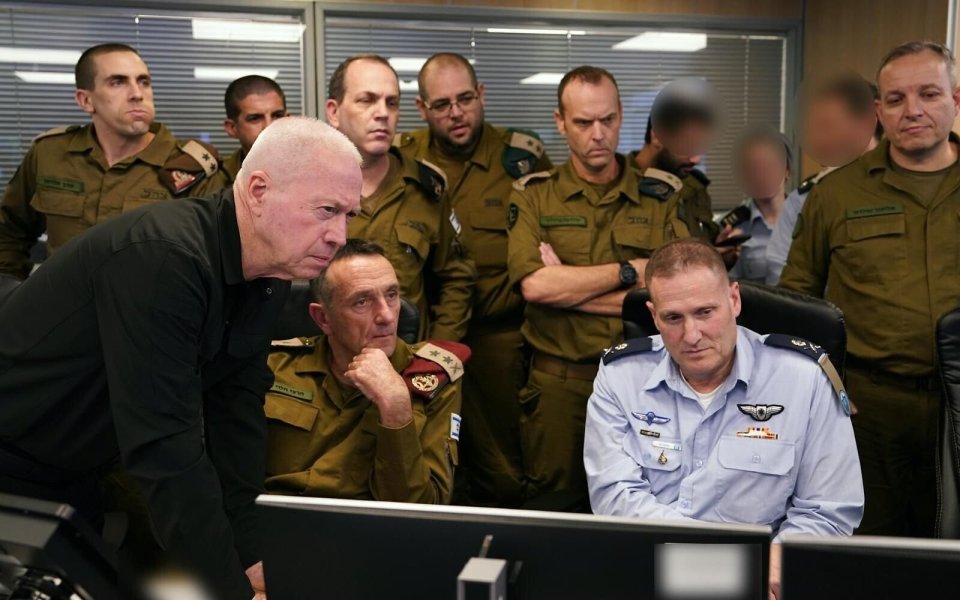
(146,338)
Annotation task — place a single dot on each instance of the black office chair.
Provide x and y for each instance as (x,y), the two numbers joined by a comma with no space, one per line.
(7,285)
(948,457)
(765,309)
(295,321)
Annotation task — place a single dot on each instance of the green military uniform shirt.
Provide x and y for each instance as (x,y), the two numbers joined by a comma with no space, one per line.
(696,207)
(325,439)
(634,218)
(410,217)
(64,186)
(480,197)
(231,167)
(888,259)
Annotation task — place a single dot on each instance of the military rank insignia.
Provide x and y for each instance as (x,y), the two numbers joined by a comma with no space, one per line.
(758,433)
(435,364)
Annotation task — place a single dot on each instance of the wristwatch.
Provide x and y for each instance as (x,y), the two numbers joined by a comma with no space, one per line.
(628,275)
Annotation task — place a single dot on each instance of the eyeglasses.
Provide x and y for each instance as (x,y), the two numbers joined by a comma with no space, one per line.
(445,105)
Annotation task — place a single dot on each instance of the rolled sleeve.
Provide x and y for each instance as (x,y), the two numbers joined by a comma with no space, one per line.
(523,250)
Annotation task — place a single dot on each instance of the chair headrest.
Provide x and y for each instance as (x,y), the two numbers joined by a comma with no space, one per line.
(764,309)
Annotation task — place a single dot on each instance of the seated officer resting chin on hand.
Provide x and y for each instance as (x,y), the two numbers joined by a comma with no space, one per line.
(710,421)
(357,413)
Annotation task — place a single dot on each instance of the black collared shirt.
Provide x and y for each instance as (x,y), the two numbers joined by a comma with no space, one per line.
(141,338)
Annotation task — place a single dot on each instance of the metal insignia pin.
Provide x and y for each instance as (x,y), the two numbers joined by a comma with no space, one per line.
(663,458)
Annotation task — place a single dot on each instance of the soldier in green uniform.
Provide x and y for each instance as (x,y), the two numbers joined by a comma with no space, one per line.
(580,235)
(481,163)
(679,129)
(878,238)
(357,413)
(251,103)
(75,177)
(404,207)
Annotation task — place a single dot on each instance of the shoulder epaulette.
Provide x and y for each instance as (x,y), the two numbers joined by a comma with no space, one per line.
(432,178)
(195,162)
(297,342)
(402,139)
(627,348)
(521,184)
(819,355)
(700,176)
(435,364)
(55,132)
(523,150)
(659,184)
(807,184)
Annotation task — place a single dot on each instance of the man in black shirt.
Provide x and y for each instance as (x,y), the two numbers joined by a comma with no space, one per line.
(147,337)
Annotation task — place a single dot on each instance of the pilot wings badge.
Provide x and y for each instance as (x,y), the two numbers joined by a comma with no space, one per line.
(760,412)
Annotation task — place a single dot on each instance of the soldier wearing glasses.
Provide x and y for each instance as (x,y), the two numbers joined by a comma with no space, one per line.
(481,163)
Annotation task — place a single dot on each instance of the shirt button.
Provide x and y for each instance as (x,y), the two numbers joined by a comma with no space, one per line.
(756,458)
(699,463)
(268,291)
(685,503)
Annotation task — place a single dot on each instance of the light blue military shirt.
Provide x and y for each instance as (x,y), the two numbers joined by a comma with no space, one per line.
(752,264)
(651,451)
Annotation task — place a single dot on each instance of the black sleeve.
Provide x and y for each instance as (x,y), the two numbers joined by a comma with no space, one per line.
(236,441)
(151,301)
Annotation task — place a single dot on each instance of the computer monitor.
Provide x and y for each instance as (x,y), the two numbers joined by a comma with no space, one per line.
(869,567)
(48,548)
(362,550)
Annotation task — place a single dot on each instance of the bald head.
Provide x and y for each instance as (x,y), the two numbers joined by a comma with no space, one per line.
(298,188)
(296,147)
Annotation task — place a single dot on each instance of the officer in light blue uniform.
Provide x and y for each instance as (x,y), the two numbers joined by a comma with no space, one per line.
(738,428)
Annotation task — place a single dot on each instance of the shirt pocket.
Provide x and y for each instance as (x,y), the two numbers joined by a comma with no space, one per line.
(755,479)
(414,248)
(659,457)
(488,246)
(63,212)
(876,248)
(637,241)
(290,425)
(571,244)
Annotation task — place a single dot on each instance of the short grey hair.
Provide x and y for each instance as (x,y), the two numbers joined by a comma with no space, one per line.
(911,48)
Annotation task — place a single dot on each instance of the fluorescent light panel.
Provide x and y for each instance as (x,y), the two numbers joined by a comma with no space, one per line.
(542,78)
(407,64)
(246,30)
(230,73)
(45,77)
(38,56)
(409,86)
(664,41)
(535,31)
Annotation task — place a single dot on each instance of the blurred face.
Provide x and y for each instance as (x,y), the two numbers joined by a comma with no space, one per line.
(370,108)
(696,312)
(365,306)
(763,171)
(917,104)
(832,135)
(590,122)
(453,108)
(683,149)
(257,111)
(303,217)
(121,101)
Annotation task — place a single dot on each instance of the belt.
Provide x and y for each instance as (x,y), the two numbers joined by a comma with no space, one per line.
(551,365)
(930,382)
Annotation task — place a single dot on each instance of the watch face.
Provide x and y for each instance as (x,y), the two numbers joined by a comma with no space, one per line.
(628,274)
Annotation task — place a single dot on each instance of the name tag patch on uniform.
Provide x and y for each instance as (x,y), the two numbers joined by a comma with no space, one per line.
(293,392)
(55,183)
(455,420)
(649,433)
(455,222)
(666,446)
(651,417)
(760,412)
(874,211)
(562,221)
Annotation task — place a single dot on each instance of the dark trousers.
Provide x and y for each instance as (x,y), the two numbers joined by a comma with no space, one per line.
(896,431)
